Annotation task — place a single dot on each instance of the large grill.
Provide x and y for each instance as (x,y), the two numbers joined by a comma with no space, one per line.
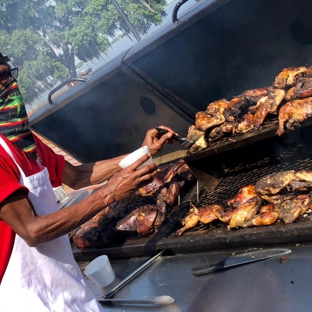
(240,167)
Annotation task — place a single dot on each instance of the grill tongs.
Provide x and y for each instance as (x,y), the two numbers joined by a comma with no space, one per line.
(185,142)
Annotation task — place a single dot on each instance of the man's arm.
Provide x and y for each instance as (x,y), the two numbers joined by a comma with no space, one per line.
(18,212)
(85,175)
(77,177)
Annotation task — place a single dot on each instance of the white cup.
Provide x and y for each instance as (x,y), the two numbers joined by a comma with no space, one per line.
(131,158)
(100,271)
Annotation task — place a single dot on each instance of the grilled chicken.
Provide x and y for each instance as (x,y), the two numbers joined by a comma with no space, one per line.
(246,124)
(267,216)
(268,104)
(219,132)
(234,109)
(205,214)
(288,77)
(291,210)
(246,204)
(254,95)
(190,221)
(303,89)
(169,193)
(277,199)
(273,183)
(193,134)
(301,182)
(144,220)
(292,113)
(212,116)
(199,145)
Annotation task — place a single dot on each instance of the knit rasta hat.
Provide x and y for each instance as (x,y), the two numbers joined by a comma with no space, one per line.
(4,59)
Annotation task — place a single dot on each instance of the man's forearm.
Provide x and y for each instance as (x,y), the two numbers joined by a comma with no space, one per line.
(19,214)
(85,175)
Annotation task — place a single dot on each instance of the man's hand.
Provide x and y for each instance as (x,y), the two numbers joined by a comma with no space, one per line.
(128,180)
(155,141)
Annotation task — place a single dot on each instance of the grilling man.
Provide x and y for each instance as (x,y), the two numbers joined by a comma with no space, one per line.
(37,268)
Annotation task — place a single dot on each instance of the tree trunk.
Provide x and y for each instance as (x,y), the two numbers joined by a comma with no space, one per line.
(147,6)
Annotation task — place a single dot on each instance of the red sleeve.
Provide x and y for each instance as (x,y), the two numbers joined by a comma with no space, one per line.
(54,163)
(9,176)
(7,242)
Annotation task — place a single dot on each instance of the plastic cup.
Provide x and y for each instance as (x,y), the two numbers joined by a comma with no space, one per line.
(100,271)
(131,158)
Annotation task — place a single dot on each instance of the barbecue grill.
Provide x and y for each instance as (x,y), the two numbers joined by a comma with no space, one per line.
(217,50)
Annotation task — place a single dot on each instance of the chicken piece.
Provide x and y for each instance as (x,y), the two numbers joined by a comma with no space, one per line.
(304,175)
(193,134)
(190,221)
(199,145)
(205,214)
(173,170)
(219,132)
(291,210)
(144,220)
(151,188)
(302,186)
(169,194)
(263,108)
(277,199)
(292,113)
(273,183)
(254,95)
(288,77)
(212,116)
(246,204)
(266,105)
(210,213)
(246,124)
(308,73)
(303,89)
(275,98)
(290,94)
(267,216)
(234,109)
(301,182)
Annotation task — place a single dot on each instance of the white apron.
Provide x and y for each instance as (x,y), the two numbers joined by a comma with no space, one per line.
(47,277)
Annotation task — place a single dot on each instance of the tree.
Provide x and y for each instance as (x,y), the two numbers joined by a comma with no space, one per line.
(43,37)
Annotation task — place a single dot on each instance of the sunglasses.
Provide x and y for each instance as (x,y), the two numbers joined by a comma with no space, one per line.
(12,72)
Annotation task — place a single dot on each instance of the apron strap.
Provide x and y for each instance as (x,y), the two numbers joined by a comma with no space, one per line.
(7,149)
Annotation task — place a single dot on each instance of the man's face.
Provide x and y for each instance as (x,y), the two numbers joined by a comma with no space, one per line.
(4,75)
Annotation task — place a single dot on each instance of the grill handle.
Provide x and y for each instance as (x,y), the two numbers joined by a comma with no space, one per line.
(176,9)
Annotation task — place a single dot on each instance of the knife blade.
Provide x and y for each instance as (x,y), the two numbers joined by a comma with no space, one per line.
(240,259)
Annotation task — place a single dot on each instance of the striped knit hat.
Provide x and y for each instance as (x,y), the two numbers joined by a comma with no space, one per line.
(13,116)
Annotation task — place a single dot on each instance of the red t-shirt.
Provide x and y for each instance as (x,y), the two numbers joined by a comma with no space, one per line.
(9,183)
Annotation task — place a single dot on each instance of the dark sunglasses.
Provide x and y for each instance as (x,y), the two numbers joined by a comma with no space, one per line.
(12,72)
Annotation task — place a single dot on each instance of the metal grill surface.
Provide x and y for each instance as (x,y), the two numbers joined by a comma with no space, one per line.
(245,174)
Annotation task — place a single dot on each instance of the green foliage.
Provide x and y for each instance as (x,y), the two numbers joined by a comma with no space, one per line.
(42,37)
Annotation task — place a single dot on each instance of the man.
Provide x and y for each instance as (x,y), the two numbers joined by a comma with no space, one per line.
(37,267)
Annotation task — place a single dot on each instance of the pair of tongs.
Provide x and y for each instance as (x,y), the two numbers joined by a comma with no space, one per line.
(185,142)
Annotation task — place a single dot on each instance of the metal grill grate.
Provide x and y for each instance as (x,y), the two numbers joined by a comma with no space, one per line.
(246,174)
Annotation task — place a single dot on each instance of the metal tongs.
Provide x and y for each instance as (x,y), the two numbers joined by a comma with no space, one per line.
(185,142)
